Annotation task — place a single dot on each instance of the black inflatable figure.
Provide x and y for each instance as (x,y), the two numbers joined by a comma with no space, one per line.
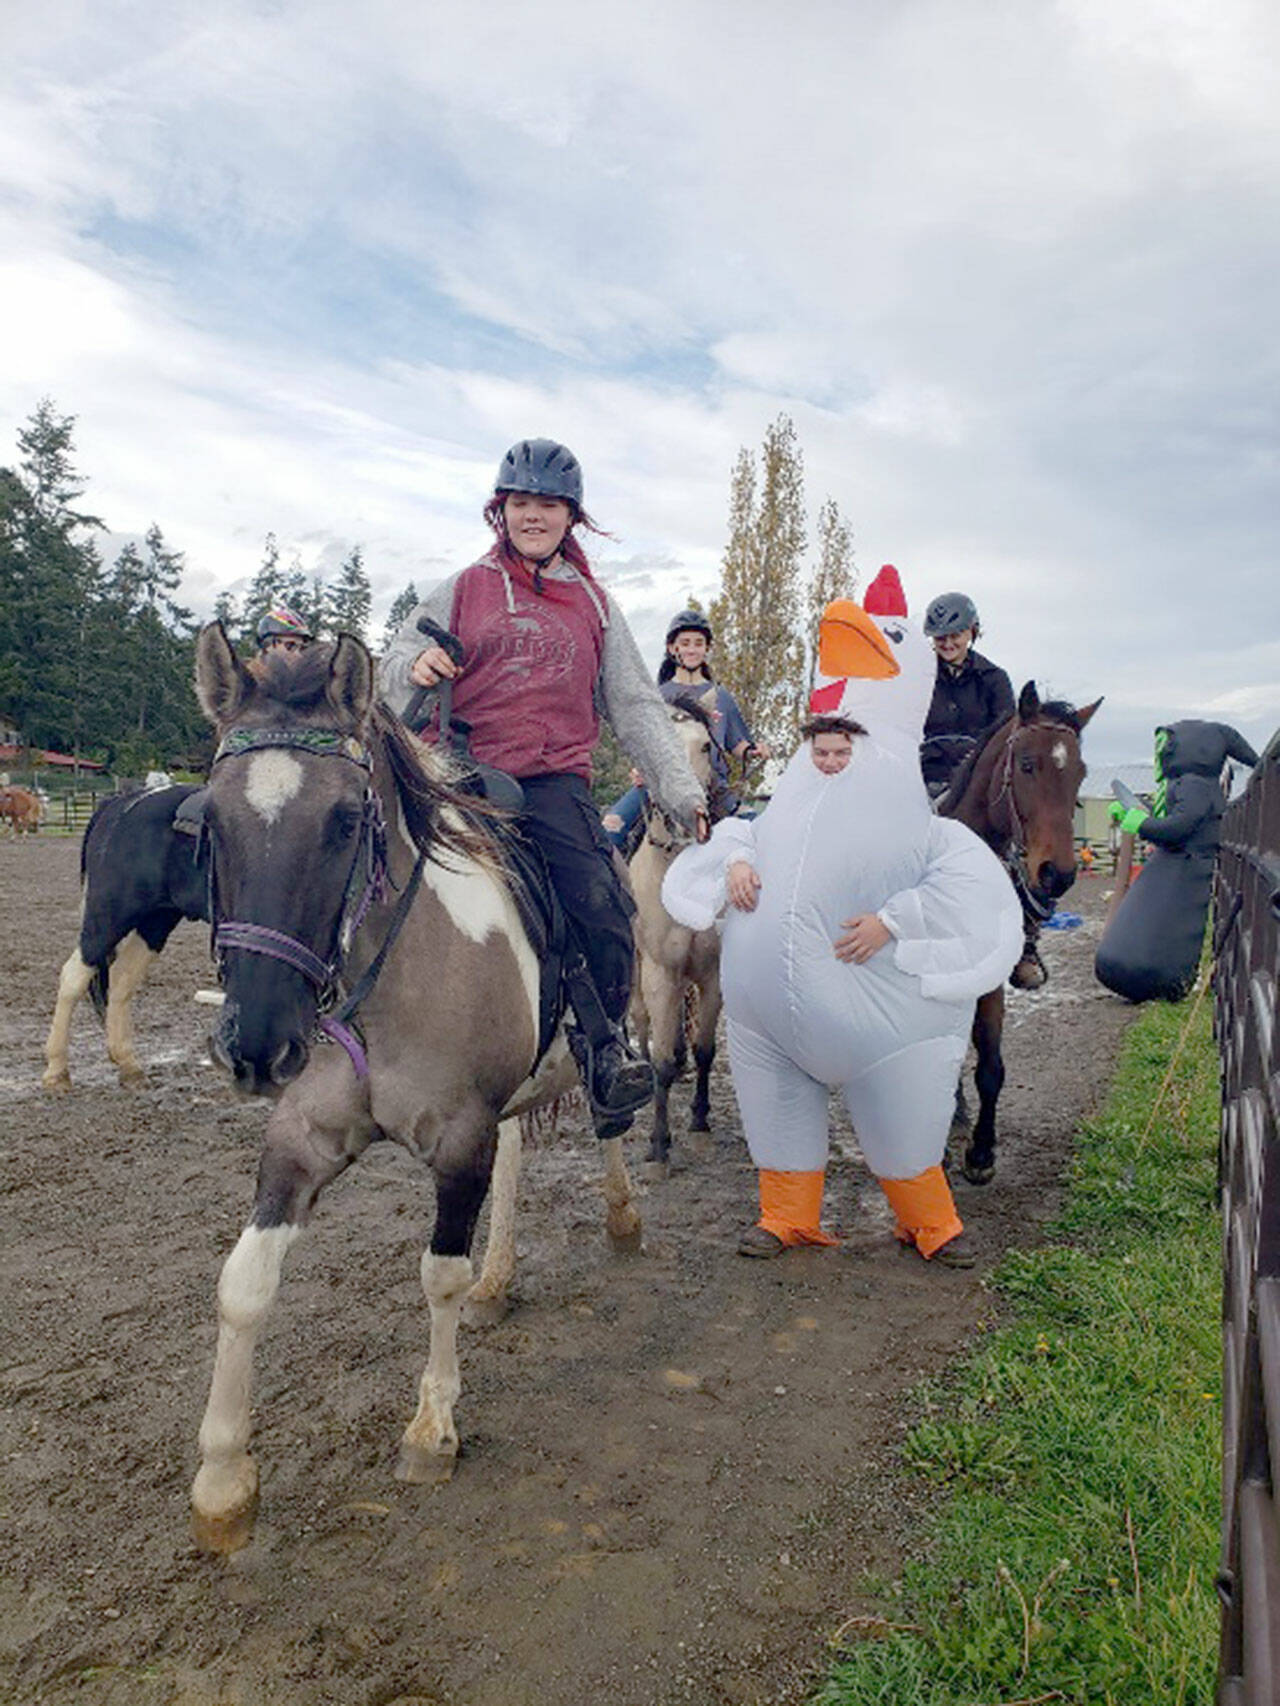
(1151,948)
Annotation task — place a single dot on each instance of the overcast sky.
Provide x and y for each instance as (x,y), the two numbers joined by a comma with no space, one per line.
(1010,266)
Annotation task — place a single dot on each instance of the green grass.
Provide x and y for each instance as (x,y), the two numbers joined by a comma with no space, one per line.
(1073,1551)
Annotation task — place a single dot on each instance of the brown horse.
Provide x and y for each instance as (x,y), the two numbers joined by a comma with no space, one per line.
(670,959)
(344,864)
(21,811)
(1018,792)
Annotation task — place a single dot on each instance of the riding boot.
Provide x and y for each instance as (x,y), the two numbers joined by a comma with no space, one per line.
(1030,971)
(618,1081)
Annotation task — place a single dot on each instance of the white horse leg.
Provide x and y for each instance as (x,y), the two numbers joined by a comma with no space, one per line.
(128,970)
(486,1302)
(73,984)
(224,1495)
(429,1448)
(622,1219)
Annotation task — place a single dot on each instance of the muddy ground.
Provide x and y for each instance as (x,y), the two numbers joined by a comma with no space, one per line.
(679,1466)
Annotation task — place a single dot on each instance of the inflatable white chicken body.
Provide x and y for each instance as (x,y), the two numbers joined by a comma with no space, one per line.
(891,1032)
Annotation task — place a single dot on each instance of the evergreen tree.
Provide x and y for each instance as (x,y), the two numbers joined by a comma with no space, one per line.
(757,616)
(265,589)
(402,606)
(834,577)
(351,597)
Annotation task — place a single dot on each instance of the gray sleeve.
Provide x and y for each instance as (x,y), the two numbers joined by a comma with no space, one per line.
(641,719)
(394,685)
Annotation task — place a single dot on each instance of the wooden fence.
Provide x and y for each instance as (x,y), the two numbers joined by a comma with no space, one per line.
(1246,978)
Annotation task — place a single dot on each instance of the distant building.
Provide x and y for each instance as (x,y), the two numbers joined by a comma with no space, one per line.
(1093,823)
(12,752)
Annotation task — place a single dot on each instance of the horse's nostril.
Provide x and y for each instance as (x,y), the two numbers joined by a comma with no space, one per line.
(287,1062)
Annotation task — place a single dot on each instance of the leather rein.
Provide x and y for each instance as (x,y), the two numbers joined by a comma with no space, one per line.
(367,884)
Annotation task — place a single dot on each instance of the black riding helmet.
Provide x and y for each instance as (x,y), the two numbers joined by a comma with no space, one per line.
(688,622)
(543,469)
(951,613)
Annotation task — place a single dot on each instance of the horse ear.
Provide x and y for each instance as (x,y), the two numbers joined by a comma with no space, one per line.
(222,682)
(350,685)
(1028,702)
(1086,711)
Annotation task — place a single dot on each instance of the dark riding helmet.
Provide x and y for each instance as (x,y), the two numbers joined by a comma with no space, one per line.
(688,622)
(281,623)
(952,613)
(543,469)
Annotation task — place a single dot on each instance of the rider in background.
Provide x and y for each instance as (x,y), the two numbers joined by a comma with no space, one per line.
(684,669)
(971,695)
(545,652)
(282,632)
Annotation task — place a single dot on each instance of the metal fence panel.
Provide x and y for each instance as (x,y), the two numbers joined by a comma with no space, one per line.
(1246,977)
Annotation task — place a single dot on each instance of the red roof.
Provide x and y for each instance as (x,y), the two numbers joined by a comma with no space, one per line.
(39,757)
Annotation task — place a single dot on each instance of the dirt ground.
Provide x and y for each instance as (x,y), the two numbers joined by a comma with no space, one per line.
(678,1466)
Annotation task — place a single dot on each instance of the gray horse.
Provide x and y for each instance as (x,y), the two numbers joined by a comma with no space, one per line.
(345,863)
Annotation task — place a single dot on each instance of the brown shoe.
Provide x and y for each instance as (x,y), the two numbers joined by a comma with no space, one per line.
(957,1252)
(759,1241)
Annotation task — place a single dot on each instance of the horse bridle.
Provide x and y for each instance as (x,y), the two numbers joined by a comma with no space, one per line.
(1015,853)
(678,837)
(366,885)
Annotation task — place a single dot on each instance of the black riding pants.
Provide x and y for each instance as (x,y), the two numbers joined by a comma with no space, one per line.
(561,818)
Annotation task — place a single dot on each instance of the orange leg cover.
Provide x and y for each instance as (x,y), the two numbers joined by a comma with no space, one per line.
(925,1210)
(790,1204)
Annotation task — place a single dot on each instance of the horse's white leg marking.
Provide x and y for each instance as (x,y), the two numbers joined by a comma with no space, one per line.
(622,1220)
(73,984)
(430,1443)
(225,1491)
(487,1299)
(274,778)
(128,970)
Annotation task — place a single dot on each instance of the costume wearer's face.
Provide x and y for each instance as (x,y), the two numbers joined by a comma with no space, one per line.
(289,644)
(536,526)
(690,649)
(831,752)
(954,648)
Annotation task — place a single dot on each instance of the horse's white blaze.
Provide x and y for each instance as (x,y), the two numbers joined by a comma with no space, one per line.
(274,779)
(1058,753)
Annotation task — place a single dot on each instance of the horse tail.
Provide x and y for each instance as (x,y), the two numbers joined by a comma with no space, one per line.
(98,989)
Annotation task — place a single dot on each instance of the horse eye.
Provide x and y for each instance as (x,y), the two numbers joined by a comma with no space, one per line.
(343,823)
(1027,766)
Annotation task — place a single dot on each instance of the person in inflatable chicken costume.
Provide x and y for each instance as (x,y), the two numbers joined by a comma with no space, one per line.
(860,930)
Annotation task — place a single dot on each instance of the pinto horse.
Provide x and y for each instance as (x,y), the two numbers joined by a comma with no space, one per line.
(1018,792)
(670,959)
(359,898)
(140,876)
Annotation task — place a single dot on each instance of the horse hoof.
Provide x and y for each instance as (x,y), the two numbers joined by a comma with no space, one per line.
(625,1231)
(485,1311)
(654,1172)
(56,1083)
(700,1144)
(424,1468)
(227,1526)
(131,1077)
(978,1172)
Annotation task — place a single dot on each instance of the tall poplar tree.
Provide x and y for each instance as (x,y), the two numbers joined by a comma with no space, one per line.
(757,617)
(401,606)
(834,577)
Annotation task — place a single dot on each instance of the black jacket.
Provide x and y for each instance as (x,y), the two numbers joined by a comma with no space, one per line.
(966,702)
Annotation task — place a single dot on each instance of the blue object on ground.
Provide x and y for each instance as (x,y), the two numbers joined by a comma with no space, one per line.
(1064,921)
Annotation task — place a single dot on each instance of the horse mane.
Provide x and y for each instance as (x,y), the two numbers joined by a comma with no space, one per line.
(1051,710)
(691,704)
(435,810)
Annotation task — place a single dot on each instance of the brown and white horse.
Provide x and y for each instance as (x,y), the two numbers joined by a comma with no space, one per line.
(1018,792)
(670,959)
(342,861)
